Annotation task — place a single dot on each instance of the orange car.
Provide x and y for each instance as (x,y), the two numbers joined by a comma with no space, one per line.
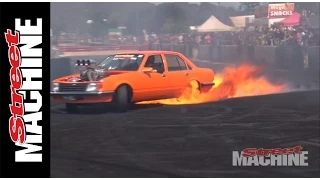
(130,77)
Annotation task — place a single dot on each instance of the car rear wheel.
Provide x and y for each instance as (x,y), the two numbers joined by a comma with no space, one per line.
(121,99)
(193,87)
(71,108)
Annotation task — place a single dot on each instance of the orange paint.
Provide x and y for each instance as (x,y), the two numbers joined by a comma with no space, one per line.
(148,86)
(245,80)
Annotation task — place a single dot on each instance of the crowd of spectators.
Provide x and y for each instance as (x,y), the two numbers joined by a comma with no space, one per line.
(275,35)
(271,36)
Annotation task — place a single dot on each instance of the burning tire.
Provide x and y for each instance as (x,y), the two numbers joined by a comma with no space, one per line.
(71,108)
(121,99)
(194,87)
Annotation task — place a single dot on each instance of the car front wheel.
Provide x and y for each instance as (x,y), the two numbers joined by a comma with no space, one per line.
(121,99)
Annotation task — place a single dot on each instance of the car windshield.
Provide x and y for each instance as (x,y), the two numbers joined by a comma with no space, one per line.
(125,62)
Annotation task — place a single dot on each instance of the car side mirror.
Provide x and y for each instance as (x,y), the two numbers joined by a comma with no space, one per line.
(148,70)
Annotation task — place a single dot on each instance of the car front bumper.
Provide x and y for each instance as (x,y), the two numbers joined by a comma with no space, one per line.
(82,97)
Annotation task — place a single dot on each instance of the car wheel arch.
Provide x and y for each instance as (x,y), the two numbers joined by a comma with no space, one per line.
(196,80)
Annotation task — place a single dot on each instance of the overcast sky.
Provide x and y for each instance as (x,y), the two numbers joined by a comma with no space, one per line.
(227,4)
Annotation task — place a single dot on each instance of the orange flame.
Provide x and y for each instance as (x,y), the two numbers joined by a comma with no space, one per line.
(245,80)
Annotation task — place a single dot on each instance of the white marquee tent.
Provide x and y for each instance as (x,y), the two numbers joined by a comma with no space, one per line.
(213,25)
(242,21)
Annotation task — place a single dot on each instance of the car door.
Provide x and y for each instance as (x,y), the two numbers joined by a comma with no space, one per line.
(155,84)
(178,73)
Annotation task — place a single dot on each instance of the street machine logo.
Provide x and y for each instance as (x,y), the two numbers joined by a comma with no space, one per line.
(292,156)
(26,83)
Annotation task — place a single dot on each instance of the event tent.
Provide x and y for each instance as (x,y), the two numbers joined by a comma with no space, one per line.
(293,20)
(213,24)
(241,21)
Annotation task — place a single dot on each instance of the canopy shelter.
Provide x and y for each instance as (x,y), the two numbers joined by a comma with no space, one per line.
(213,25)
(241,21)
(293,20)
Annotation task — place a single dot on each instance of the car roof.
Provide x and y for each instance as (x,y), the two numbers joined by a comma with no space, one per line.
(149,52)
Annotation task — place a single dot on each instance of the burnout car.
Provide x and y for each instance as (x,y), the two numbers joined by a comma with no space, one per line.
(128,78)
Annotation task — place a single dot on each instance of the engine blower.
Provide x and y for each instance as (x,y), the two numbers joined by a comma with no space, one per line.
(89,70)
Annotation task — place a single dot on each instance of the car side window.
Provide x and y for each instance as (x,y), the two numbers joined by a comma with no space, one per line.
(182,64)
(155,62)
(175,63)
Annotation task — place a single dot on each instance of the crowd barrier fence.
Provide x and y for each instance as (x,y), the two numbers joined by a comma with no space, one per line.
(281,57)
(60,67)
(101,48)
